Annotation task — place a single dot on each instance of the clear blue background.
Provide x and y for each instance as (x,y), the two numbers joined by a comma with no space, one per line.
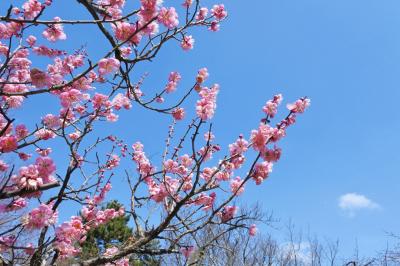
(343,54)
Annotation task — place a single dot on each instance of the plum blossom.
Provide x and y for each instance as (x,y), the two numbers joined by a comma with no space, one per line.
(228,213)
(67,235)
(187,251)
(55,32)
(108,65)
(237,186)
(178,113)
(205,107)
(32,8)
(219,12)
(271,155)
(126,31)
(44,134)
(15,205)
(202,75)
(187,42)
(252,230)
(202,14)
(40,217)
(8,144)
(206,200)
(271,107)
(168,17)
(299,106)
(173,80)
(261,171)
(120,101)
(3,166)
(260,137)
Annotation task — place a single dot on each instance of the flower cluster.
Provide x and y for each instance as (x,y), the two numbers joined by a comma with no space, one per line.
(40,217)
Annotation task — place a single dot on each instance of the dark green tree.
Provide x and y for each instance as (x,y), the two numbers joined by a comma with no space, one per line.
(113,233)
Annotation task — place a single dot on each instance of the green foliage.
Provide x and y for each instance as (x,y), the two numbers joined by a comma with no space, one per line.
(113,233)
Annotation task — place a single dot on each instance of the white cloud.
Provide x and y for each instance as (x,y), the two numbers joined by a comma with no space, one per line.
(352,202)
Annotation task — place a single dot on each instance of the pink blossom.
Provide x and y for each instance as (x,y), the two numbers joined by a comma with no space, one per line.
(51,121)
(271,107)
(228,213)
(260,137)
(3,49)
(68,234)
(21,131)
(202,75)
(202,14)
(240,146)
(219,12)
(126,51)
(44,134)
(208,173)
(45,166)
(187,42)
(108,65)
(253,230)
(113,161)
(261,171)
(214,26)
(29,249)
(24,156)
(178,113)
(187,3)
(55,32)
(187,251)
(186,160)
(39,78)
(6,242)
(237,186)
(43,152)
(120,101)
(208,136)
(28,178)
(205,107)
(139,157)
(174,78)
(168,17)
(299,106)
(3,166)
(46,51)
(272,155)
(31,40)
(40,217)
(32,8)
(125,31)
(8,144)
(15,205)
(206,201)
(99,100)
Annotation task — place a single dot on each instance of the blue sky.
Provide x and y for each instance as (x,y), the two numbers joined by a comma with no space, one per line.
(345,56)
